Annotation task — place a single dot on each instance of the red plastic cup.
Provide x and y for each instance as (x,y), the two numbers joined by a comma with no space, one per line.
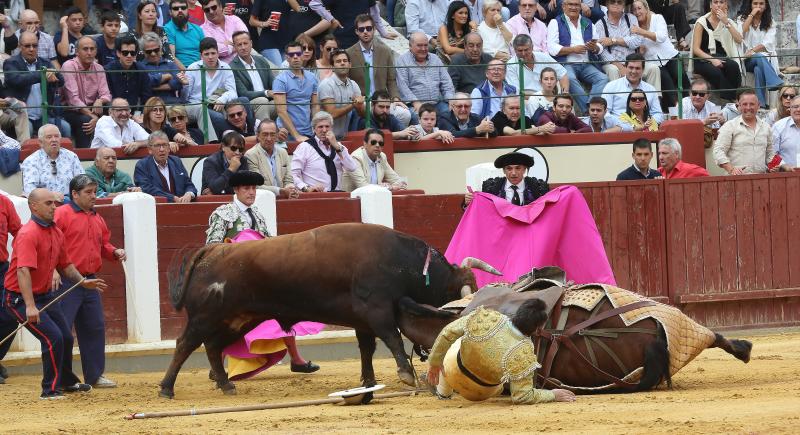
(274,15)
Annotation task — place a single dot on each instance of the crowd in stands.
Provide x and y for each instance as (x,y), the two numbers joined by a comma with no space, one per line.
(180,74)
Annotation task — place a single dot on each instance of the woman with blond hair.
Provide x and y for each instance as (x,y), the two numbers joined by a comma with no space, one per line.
(179,120)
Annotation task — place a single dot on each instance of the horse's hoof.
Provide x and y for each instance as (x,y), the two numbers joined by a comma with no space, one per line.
(406,378)
(229,389)
(211,375)
(166,393)
(367,398)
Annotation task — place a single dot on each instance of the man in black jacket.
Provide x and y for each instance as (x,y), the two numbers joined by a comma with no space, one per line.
(220,166)
(515,186)
(462,122)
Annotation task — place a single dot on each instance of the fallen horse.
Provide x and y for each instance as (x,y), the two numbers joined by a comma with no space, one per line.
(597,338)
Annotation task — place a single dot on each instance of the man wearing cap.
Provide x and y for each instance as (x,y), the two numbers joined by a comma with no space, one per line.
(515,186)
(483,350)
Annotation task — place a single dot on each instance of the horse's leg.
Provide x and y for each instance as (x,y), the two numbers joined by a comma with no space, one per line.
(185,345)
(366,344)
(395,344)
(738,348)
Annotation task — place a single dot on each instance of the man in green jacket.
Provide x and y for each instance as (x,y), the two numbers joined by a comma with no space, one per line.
(110,180)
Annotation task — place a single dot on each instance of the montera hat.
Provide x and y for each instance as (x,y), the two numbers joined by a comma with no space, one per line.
(514,158)
(246,178)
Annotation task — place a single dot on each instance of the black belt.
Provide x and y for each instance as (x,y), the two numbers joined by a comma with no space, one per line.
(469,374)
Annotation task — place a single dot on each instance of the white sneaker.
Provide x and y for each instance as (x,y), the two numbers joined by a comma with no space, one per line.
(104,382)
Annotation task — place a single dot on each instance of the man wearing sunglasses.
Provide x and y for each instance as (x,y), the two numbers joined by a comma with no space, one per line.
(183,37)
(50,167)
(238,119)
(166,81)
(219,167)
(342,16)
(697,106)
(125,77)
(221,27)
(373,167)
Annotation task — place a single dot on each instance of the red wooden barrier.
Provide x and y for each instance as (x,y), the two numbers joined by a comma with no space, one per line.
(114,305)
(432,218)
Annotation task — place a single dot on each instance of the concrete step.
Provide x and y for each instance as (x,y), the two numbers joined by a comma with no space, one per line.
(792,79)
(786,34)
(788,57)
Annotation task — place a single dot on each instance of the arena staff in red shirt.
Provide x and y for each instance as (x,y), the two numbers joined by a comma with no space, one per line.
(86,238)
(38,250)
(9,224)
(669,157)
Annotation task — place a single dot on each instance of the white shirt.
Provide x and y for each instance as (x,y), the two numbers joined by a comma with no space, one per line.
(786,140)
(616,95)
(510,191)
(493,41)
(164,170)
(576,38)
(530,77)
(691,112)
(662,48)
(258,85)
(108,133)
(243,212)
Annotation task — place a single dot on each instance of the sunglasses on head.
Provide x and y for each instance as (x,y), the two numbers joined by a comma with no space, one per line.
(374,142)
(128,53)
(180,8)
(211,8)
(362,29)
(152,51)
(699,93)
(638,99)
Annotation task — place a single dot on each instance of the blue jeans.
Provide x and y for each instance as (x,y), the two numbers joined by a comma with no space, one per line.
(273,55)
(588,73)
(766,76)
(390,11)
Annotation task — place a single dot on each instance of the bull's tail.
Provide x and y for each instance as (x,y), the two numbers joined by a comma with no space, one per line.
(180,271)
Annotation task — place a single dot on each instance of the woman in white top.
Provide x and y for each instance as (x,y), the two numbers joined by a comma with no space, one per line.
(540,103)
(716,48)
(656,46)
(758,33)
(495,34)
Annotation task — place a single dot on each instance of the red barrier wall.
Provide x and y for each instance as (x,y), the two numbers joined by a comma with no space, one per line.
(114,305)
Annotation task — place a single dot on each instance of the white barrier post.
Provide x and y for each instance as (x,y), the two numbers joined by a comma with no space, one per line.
(25,341)
(376,205)
(141,247)
(477,174)
(265,201)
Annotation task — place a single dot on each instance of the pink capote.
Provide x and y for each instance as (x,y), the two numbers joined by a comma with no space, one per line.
(555,230)
(267,330)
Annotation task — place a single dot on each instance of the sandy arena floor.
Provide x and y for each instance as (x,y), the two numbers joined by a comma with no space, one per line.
(714,394)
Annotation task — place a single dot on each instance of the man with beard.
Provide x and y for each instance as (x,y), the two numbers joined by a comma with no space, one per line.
(601,121)
(184,37)
(382,118)
(126,81)
(340,96)
(119,130)
(565,121)
(110,180)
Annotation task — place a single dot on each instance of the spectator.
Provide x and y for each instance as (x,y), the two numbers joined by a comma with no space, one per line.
(274,33)
(118,129)
(525,23)
(293,90)
(304,21)
(461,122)
(758,32)
(179,120)
(564,37)
(166,80)
(220,166)
(620,42)
(183,37)
(488,97)
(237,119)
(107,40)
(617,91)
(426,129)
(658,50)
(697,106)
(161,174)
(422,78)
(13,114)
(221,27)
(453,33)
(539,103)
(309,50)
(29,22)
(373,168)
(603,122)
(8,143)
(508,122)
(155,119)
(323,66)
(125,77)
(51,166)
(716,41)
(23,81)
(148,22)
(533,63)
(640,169)
(253,77)
(674,14)
(383,119)
(368,50)
(637,115)
(744,144)
(85,91)
(425,16)
(220,87)
(342,13)
(514,186)
(785,96)
(562,117)
(241,8)
(786,135)
(87,242)
(110,180)
(71,24)
(496,36)
(341,97)
(468,69)
(669,157)
(318,163)
(272,162)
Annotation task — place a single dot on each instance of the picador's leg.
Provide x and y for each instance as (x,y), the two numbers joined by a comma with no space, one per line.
(738,348)
(184,346)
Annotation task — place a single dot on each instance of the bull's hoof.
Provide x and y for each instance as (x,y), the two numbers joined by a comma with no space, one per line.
(228,389)
(166,393)
(406,377)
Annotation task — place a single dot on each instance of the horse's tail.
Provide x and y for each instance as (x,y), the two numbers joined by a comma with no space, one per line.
(180,271)
(656,363)
(738,348)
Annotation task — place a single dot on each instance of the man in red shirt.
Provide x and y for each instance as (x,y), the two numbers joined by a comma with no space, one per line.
(38,251)
(86,238)
(669,157)
(9,224)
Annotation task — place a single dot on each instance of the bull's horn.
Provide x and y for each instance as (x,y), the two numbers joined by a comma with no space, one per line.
(473,262)
(466,291)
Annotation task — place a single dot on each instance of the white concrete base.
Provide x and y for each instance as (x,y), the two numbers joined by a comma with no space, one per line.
(376,205)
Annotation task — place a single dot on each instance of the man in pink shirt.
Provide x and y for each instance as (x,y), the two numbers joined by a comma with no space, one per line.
(318,163)
(221,27)
(525,23)
(85,91)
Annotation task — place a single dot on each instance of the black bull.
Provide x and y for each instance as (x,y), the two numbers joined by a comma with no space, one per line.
(356,275)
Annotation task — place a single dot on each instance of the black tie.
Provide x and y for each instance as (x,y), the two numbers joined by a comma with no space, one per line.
(515,198)
(252,218)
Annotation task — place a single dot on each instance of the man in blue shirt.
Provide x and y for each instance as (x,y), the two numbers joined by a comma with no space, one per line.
(601,121)
(640,169)
(293,90)
(616,91)
(184,37)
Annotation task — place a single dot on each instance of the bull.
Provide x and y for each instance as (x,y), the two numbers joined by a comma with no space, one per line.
(355,275)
